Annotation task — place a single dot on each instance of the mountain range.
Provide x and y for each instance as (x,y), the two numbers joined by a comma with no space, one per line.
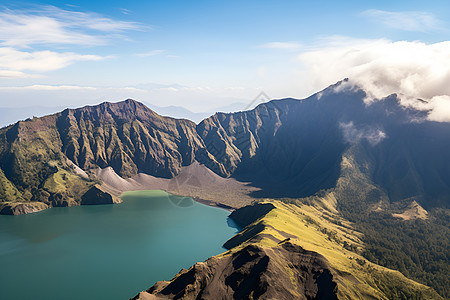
(332,149)
(288,148)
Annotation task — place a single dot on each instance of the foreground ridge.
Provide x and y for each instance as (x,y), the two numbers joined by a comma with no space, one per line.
(269,260)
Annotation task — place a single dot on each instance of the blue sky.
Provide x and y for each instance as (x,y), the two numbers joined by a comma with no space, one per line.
(208,54)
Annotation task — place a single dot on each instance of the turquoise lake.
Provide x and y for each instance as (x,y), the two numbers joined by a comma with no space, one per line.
(107,251)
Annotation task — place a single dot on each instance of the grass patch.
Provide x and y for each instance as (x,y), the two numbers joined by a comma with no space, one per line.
(64,182)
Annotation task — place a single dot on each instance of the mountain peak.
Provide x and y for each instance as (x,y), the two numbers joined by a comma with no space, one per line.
(126,110)
(128,104)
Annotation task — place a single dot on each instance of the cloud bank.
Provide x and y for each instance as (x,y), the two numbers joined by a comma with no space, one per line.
(412,70)
(39,61)
(49,26)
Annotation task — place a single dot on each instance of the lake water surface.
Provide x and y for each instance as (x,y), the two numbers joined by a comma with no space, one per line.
(107,251)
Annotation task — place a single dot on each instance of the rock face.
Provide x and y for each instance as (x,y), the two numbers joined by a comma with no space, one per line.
(254,272)
(127,136)
(97,195)
(19,208)
(43,159)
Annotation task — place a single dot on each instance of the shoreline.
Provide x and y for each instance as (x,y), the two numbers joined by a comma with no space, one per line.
(195,198)
(212,203)
(41,205)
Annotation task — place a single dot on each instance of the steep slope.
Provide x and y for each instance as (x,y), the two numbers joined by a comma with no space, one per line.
(129,137)
(288,252)
(293,148)
(281,143)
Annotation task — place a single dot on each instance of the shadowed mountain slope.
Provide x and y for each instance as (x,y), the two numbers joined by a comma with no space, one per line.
(294,148)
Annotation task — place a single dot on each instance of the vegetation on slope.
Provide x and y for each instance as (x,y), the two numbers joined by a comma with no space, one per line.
(291,238)
(33,170)
(417,248)
(8,192)
(37,155)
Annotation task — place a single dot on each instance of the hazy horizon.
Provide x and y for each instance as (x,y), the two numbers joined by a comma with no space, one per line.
(204,55)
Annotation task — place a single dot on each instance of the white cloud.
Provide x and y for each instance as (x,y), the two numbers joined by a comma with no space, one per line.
(353,135)
(43,87)
(441,109)
(150,53)
(412,70)
(39,61)
(282,45)
(404,20)
(8,74)
(51,25)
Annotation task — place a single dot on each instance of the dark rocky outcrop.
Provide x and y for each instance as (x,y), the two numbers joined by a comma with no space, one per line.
(20,208)
(245,216)
(254,272)
(97,195)
(249,214)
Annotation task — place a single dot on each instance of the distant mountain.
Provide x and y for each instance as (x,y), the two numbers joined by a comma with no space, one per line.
(180,112)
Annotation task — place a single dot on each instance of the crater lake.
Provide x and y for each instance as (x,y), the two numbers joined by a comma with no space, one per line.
(107,251)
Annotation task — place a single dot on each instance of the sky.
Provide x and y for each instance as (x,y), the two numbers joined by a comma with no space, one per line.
(207,55)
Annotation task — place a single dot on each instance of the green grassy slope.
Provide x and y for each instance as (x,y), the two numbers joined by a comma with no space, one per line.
(418,248)
(308,227)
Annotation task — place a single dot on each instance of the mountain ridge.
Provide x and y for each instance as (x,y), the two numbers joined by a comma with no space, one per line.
(255,146)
